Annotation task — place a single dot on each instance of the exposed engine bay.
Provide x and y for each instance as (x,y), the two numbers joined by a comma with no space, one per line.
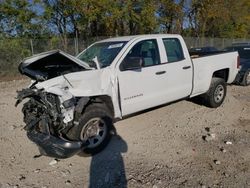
(50,64)
(48,121)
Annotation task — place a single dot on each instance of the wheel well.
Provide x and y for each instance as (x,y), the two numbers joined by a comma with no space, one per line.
(223,73)
(106,100)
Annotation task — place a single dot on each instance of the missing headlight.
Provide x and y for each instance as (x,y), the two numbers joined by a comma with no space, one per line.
(69,103)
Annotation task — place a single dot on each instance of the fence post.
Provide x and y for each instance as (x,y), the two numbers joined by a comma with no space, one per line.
(31,46)
(76,44)
(212,41)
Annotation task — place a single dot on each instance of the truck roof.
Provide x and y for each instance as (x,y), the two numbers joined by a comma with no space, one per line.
(131,37)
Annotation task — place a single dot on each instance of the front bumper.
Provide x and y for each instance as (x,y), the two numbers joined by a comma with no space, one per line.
(55,147)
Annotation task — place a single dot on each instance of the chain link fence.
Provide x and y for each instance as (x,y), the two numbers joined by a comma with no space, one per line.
(12,51)
(72,46)
(219,43)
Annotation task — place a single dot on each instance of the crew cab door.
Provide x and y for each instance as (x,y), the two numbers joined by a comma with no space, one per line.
(155,81)
(178,82)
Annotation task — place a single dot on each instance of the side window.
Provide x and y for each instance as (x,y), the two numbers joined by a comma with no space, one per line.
(173,49)
(147,51)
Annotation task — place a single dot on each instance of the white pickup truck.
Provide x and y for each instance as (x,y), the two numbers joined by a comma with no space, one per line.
(73,101)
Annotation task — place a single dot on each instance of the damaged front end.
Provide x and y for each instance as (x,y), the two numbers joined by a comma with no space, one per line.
(48,119)
(48,115)
(63,91)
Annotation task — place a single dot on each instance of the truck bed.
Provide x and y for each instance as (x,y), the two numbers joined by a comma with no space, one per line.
(205,66)
(202,54)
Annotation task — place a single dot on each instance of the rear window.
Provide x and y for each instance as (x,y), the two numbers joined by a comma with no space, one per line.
(173,49)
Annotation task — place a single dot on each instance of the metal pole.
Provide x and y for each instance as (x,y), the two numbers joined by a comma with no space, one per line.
(76,44)
(31,45)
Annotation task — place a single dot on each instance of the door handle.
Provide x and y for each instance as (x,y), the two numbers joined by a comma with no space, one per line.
(186,67)
(160,72)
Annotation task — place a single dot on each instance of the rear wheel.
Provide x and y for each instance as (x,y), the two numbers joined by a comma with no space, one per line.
(94,128)
(246,78)
(216,93)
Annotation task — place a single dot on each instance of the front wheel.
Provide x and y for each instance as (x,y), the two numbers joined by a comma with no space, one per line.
(216,93)
(94,128)
(246,78)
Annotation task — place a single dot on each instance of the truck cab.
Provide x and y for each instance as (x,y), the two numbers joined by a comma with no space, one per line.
(164,73)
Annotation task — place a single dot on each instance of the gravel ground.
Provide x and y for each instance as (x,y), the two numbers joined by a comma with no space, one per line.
(179,145)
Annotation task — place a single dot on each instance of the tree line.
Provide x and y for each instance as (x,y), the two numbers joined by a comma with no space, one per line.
(91,18)
(52,23)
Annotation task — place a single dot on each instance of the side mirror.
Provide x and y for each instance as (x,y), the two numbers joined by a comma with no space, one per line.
(131,63)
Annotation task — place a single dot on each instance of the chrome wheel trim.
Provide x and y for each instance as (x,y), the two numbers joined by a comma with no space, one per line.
(94,132)
(219,93)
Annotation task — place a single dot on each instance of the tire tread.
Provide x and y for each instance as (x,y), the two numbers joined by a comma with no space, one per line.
(209,96)
(91,111)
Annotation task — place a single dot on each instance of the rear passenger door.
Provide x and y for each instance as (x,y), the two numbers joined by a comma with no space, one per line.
(178,82)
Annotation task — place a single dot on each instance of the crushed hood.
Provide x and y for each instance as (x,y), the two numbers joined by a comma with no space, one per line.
(89,83)
(51,64)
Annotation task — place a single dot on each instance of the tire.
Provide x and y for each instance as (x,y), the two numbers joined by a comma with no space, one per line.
(216,93)
(246,78)
(94,128)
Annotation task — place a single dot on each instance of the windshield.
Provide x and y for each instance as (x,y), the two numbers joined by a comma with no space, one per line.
(244,51)
(104,53)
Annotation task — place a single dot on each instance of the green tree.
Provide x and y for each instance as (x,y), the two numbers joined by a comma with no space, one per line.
(18,18)
(171,15)
(220,18)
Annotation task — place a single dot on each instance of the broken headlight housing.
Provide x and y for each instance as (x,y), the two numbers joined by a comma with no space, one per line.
(69,103)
